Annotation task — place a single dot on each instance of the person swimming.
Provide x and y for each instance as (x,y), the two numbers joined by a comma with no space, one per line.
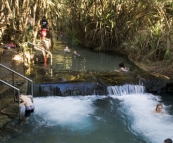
(67,49)
(122,67)
(159,108)
(75,54)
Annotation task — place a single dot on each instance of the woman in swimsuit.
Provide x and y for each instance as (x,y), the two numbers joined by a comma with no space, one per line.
(159,108)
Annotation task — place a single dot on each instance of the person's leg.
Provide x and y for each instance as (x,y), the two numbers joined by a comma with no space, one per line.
(32,110)
(27,113)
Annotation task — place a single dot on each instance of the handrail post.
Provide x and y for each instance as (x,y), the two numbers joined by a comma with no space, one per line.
(32,92)
(19,103)
(13,85)
(45,51)
(13,66)
(18,94)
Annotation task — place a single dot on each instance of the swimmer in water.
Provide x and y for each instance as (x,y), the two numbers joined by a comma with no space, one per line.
(75,54)
(67,49)
(159,108)
(122,67)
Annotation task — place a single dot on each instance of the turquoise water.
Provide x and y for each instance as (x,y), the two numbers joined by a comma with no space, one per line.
(87,61)
(123,116)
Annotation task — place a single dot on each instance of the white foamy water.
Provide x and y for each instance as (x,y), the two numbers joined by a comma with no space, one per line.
(141,120)
(72,112)
(79,113)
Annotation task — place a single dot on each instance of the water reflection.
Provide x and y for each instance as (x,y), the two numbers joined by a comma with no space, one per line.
(87,61)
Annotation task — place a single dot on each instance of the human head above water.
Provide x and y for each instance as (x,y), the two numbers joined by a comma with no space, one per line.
(121,65)
(159,107)
(168,140)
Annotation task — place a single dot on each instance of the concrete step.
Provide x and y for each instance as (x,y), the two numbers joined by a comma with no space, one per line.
(12,110)
(9,112)
(3,89)
(4,119)
(5,101)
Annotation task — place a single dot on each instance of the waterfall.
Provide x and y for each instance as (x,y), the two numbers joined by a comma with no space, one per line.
(125,89)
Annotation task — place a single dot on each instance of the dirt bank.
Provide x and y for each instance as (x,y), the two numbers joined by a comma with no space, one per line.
(157,69)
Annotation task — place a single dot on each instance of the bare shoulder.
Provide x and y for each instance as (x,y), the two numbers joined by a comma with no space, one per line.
(30,96)
(25,97)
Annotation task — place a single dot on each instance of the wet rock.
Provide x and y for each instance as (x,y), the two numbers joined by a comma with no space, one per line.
(69,89)
(101,80)
(42,71)
(4,119)
(19,83)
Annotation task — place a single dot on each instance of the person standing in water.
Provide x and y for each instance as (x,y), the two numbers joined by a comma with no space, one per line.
(67,50)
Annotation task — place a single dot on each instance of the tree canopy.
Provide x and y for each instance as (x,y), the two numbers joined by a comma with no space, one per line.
(141,28)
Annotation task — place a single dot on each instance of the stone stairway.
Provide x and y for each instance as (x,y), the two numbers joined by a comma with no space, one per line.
(9,108)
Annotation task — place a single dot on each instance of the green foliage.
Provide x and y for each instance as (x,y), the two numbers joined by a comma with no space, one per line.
(142,29)
(73,37)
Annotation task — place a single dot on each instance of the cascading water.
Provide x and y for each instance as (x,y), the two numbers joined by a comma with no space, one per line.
(125,115)
(125,89)
(137,108)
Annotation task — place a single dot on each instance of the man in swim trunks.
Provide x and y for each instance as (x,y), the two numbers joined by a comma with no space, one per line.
(29,106)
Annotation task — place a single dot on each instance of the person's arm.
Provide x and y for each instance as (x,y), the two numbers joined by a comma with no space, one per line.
(23,103)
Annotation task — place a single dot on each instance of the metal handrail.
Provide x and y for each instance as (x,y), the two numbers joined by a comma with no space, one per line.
(18,94)
(32,92)
(45,51)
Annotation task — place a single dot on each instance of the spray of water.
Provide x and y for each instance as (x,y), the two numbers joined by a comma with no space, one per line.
(138,109)
(72,112)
